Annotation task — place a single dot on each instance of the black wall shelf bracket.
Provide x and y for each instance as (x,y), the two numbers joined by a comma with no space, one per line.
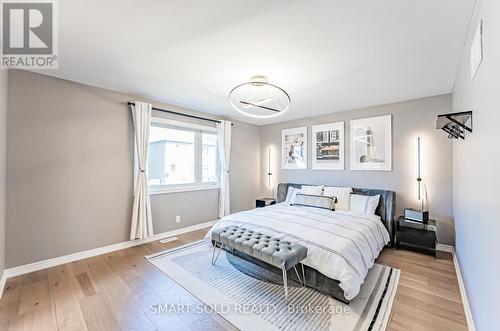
(455,124)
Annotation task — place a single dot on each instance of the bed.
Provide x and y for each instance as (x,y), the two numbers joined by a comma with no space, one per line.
(342,245)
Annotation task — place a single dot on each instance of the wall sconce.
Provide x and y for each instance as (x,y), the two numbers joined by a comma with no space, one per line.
(419,169)
(269,173)
(421,188)
(455,124)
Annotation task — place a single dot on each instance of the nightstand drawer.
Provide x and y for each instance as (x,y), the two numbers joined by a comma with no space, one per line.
(416,237)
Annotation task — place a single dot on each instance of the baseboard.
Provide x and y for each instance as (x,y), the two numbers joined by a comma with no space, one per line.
(3,280)
(463,293)
(36,266)
(444,248)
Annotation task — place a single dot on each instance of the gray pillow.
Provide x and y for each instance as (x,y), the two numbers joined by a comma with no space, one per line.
(315,201)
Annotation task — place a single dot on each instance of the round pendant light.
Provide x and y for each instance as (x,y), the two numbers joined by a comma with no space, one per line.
(260,99)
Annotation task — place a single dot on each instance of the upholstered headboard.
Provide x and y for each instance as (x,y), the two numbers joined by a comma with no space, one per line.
(386,207)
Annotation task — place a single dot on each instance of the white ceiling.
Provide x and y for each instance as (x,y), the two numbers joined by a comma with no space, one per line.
(328,55)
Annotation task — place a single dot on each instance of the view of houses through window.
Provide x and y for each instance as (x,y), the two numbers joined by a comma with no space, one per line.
(181,156)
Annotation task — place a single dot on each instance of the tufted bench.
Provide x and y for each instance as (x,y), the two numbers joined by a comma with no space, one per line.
(269,248)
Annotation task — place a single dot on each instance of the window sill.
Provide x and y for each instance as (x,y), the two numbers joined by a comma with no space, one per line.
(155,191)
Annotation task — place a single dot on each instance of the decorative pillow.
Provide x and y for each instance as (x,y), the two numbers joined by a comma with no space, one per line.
(316,201)
(290,195)
(314,190)
(364,203)
(343,195)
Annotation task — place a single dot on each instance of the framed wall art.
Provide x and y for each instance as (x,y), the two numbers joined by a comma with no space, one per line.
(371,143)
(294,148)
(328,146)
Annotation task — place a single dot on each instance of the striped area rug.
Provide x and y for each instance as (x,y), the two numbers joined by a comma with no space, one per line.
(250,303)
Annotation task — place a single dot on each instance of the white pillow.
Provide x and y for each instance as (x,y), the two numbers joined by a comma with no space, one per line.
(290,195)
(342,194)
(314,190)
(364,203)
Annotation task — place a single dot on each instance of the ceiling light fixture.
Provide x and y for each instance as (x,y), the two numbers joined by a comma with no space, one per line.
(259,99)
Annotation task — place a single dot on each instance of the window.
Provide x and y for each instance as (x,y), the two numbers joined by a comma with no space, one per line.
(181,157)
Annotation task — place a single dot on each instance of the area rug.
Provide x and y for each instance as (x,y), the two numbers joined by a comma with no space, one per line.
(250,303)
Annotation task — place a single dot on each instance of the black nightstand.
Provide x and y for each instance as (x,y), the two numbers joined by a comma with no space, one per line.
(417,236)
(263,202)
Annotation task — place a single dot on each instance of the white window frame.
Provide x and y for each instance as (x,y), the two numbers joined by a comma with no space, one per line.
(174,188)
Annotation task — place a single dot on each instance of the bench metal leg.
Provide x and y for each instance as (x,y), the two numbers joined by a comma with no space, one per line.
(218,252)
(303,274)
(297,273)
(285,285)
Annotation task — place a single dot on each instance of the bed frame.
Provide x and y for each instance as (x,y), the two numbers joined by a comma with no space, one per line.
(316,279)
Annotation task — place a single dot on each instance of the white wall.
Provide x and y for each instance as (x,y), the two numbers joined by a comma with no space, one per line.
(476,172)
(409,119)
(3,155)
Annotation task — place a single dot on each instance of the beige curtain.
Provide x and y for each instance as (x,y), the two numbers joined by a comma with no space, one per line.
(142,222)
(224,146)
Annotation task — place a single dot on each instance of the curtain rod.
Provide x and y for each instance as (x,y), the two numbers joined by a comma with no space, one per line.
(181,114)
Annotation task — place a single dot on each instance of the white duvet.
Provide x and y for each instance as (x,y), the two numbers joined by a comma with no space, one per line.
(342,245)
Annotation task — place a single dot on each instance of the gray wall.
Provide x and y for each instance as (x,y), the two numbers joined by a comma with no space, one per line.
(476,175)
(410,119)
(3,154)
(245,166)
(70,170)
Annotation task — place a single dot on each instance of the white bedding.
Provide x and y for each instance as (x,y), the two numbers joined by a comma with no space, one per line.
(342,245)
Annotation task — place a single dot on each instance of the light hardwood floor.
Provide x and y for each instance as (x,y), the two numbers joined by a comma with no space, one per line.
(115,292)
